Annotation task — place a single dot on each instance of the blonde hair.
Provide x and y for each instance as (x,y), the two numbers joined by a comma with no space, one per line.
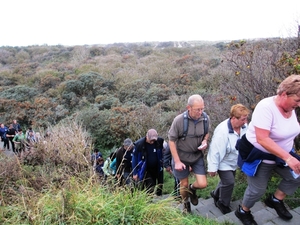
(290,85)
(238,110)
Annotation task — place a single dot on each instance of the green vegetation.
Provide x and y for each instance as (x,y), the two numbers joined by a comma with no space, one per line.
(54,184)
(121,90)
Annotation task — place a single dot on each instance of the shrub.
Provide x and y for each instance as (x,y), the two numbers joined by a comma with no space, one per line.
(19,93)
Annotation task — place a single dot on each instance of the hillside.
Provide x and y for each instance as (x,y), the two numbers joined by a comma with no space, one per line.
(122,90)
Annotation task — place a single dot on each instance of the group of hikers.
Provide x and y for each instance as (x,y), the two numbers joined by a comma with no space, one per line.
(259,148)
(142,160)
(14,138)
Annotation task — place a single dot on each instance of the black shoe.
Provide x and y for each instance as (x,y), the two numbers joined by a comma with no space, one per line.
(187,207)
(216,198)
(279,206)
(223,208)
(193,196)
(245,217)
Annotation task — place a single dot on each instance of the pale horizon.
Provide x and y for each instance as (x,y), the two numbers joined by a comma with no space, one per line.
(92,22)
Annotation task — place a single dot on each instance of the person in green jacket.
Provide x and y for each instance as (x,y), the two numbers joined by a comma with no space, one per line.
(19,141)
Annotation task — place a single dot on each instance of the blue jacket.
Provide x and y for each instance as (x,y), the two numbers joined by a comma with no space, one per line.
(3,132)
(250,157)
(139,154)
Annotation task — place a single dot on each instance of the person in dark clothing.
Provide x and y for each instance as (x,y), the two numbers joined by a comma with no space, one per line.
(3,131)
(97,161)
(124,162)
(149,150)
(16,125)
(10,136)
(167,160)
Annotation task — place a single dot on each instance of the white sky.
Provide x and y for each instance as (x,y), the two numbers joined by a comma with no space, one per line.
(78,22)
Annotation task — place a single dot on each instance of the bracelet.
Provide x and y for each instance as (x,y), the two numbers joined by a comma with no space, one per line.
(288,159)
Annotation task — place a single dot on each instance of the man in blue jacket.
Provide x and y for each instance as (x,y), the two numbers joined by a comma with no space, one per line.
(147,161)
(3,131)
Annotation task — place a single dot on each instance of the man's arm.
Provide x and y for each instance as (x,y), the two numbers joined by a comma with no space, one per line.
(178,164)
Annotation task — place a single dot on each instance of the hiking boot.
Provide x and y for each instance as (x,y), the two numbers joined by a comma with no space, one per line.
(223,208)
(187,207)
(193,196)
(216,198)
(279,206)
(245,217)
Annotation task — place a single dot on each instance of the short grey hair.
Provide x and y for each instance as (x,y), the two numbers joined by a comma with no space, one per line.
(194,98)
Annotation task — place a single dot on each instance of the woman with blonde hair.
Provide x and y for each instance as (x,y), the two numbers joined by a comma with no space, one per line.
(267,147)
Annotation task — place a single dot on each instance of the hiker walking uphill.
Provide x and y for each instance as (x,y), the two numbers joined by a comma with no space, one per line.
(10,134)
(187,149)
(267,147)
(19,141)
(168,167)
(147,162)
(124,162)
(222,155)
(107,170)
(97,162)
(16,125)
(3,137)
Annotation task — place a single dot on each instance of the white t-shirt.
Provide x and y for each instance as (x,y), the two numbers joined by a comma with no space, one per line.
(268,117)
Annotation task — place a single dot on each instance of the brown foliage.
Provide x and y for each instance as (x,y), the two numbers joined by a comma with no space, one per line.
(62,153)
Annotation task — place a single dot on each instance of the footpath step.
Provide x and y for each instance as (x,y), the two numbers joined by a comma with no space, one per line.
(263,215)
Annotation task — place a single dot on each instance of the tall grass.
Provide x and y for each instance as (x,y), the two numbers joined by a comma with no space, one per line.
(91,203)
(54,183)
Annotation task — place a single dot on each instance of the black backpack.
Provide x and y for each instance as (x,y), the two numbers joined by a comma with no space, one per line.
(186,124)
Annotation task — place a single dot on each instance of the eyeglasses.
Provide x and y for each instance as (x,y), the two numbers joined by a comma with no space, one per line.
(197,110)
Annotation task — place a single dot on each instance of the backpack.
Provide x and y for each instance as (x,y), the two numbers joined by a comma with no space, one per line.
(142,164)
(186,124)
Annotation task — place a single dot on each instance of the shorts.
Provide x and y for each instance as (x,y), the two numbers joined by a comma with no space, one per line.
(197,168)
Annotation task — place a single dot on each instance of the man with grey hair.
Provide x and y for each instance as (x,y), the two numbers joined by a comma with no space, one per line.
(187,150)
(123,162)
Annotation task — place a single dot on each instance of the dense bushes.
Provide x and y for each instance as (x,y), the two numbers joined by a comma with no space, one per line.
(121,86)
(19,93)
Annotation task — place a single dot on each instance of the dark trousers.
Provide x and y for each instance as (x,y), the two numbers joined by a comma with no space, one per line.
(10,139)
(5,143)
(153,178)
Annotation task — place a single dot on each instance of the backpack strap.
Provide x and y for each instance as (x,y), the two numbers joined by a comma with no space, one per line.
(205,123)
(186,124)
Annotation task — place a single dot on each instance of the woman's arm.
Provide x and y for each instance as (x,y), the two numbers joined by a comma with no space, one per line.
(263,138)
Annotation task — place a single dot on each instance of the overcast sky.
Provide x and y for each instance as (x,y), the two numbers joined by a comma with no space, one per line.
(78,22)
